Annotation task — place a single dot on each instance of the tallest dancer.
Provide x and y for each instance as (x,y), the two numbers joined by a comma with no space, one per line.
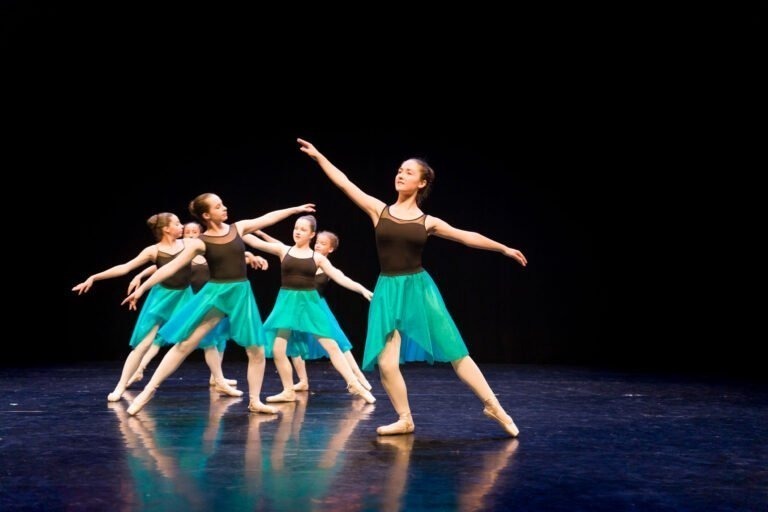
(408,319)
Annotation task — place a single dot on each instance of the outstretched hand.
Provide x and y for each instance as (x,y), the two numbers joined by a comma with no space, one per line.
(135,282)
(308,148)
(517,255)
(256,262)
(83,287)
(132,299)
(306,208)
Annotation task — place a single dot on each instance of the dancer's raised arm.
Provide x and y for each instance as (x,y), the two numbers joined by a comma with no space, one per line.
(147,255)
(192,248)
(136,281)
(369,204)
(472,239)
(273,217)
(341,278)
(277,248)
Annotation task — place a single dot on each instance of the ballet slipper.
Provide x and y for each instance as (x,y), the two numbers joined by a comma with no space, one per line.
(302,385)
(495,411)
(141,400)
(230,382)
(402,426)
(356,388)
(288,395)
(226,389)
(258,407)
(364,381)
(115,396)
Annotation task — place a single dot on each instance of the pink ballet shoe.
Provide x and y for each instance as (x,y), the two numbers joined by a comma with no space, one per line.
(258,407)
(402,426)
(364,381)
(356,388)
(141,400)
(301,386)
(494,411)
(115,396)
(288,395)
(226,390)
(229,382)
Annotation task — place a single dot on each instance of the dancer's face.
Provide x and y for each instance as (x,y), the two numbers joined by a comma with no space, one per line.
(323,245)
(302,232)
(191,230)
(409,177)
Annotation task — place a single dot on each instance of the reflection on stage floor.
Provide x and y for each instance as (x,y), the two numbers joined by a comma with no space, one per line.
(590,440)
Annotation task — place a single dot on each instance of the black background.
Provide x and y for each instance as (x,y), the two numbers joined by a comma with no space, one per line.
(545,131)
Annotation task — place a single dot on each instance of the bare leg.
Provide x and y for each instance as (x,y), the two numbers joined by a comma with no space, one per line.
(301,372)
(148,356)
(173,358)
(356,369)
(131,363)
(284,368)
(394,385)
(257,362)
(342,366)
(471,375)
(219,382)
(212,380)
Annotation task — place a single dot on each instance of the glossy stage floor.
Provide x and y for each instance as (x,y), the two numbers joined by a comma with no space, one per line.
(590,440)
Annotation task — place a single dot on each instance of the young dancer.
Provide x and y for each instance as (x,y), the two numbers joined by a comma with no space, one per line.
(408,318)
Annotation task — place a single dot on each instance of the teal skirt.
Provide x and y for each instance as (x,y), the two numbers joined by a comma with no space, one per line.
(235,299)
(306,315)
(159,306)
(218,337)
(412,305)
(314,349)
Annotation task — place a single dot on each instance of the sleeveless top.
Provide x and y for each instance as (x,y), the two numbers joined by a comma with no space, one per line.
(321,283)
(181,278)
(225,255)
(400,243)
(200,276)
(298,273)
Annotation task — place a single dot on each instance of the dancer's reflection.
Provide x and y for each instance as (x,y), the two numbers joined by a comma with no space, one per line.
(477,487)
(165,459)
(454,482)
(397,480)
(292,466)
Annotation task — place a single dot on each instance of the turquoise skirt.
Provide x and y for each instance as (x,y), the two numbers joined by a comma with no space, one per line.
(235,300)
(412,305)
(159,306)
(314,349)
(306,315)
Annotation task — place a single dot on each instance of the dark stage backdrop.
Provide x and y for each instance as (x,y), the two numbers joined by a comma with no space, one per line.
(544,136)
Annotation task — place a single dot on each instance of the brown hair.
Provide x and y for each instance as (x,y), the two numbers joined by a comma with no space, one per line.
(332,237)
(157,222)
(428,174)
(311,219)
(199,205)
